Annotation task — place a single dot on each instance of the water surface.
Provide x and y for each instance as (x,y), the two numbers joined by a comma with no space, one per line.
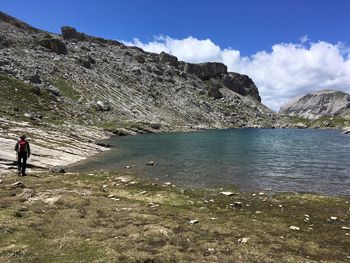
(253,159)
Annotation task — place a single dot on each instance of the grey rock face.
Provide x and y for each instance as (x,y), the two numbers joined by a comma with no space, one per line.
(207,70)
(241,84)
(167,58)
(318,104)
(215,93)
(132,85)
(55,45)
(70,33)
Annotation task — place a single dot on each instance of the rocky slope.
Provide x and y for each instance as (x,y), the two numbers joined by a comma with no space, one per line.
(73,78)
(315,105)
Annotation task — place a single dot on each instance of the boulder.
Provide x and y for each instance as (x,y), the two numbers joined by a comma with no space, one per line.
(57,169)
(102,106)
(35,79)
(241,84)
(167,58)
(215,93)
(54,45)
(206,71)
(70,33)
(53,90)
(141,59)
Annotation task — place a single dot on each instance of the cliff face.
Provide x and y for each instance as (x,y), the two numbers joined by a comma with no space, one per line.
(74,77)
(315,105)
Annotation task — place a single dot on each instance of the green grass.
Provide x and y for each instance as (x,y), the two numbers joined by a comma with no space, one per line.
(72,219)
(325,121)
(66,89)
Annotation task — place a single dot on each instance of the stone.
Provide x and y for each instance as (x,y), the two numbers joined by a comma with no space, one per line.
(194,221)
(241,84)
(151,163)
(102,106)
(205,71)
(334,218)
(35,79)
(36,90)
(18,184)
(227,193)
(57,169)
(167,58)
(1,181)
(69,33)
(295,228)
(345,228)
(136,70)
(54,45)
(143,192)
(167,184)
(238,204)
(243,240)
(214,93)
(27,193)
(53,90)
(141,59)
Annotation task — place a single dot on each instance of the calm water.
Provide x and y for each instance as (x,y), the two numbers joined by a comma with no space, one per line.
(252,159)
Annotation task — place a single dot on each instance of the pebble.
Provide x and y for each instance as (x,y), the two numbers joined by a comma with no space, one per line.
(253,195)
(227,193)
(294,228)
(258,212)
(104,186)
(143,192)
(1,181)
(238,204)
(213,218)
(334,218)
(151,163)
(261,193)
(345,228)
(194,221)
(243,240)
(115,199)
(18,184)
(347,234)
(127,166)
(167,184)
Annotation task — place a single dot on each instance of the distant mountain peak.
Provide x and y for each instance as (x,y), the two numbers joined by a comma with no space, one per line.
(317,104)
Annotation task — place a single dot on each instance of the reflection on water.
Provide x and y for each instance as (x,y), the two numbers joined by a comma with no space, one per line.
(283,160)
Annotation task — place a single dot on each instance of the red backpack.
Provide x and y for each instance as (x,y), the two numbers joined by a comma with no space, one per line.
(22,146)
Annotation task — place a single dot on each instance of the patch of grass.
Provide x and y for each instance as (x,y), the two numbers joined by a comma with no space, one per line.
(111,217)
(322,122)
(66,89)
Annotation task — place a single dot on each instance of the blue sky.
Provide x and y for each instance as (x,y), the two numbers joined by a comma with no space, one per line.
(250,36)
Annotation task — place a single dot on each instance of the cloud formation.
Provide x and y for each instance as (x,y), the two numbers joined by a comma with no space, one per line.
(287,71)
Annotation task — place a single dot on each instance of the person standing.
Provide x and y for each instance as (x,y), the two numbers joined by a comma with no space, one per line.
(23,152)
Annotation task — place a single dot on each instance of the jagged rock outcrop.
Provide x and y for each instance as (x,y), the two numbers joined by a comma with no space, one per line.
(55,45)
(70,33)
(315,105)
(241,84)
(205,71)
(74,71)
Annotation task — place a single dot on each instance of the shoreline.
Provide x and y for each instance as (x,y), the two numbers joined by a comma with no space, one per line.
(112,216)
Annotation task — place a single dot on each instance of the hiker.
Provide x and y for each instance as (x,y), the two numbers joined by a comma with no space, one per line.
(23,152)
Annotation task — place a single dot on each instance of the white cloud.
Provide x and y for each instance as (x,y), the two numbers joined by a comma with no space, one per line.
(288,70)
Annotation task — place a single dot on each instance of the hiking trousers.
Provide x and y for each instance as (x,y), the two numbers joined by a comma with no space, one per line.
(22,162)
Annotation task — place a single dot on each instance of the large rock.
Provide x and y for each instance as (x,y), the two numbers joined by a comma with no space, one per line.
(315,105)
(241,84)
(70,33)
(205,71)
(167,58)
(55,45)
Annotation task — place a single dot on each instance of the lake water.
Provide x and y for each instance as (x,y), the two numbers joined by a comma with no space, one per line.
(283,160)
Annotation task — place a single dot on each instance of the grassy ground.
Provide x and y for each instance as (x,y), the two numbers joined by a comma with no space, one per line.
(109,217)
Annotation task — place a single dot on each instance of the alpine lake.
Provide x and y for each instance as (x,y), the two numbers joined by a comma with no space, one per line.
(276,160)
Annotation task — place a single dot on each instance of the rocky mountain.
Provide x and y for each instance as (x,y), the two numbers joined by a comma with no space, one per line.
(315,105)
(59,80)
(93,80)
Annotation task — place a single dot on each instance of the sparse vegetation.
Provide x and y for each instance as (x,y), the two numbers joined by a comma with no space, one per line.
(66,89)
(108,217)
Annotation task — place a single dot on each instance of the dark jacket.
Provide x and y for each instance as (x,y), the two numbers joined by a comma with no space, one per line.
(26,148)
